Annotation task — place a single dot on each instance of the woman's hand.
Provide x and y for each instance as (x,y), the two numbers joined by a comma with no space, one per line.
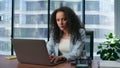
(55,58)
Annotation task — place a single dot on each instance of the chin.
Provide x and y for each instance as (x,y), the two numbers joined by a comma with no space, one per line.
(62,29)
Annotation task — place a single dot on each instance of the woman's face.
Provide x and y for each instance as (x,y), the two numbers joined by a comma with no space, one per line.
(61,20)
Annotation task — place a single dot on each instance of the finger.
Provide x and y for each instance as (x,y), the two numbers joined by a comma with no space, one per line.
(56,59)
(52,59)
(51,56)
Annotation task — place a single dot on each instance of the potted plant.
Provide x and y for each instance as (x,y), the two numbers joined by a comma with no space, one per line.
(109,49)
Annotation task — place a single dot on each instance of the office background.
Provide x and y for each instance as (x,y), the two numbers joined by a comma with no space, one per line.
(30,19)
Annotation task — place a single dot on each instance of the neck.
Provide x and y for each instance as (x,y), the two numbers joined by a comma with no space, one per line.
(66,35)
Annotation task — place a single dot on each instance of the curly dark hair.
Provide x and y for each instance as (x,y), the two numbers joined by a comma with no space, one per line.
(74,24)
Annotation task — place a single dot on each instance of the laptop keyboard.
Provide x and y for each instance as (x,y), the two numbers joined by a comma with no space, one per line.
(58,62)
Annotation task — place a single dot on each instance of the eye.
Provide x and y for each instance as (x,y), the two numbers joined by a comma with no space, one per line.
(57,20)
(64,19)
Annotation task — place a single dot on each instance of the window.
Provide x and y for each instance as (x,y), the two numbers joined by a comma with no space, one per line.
(92,5)
(76,5)
(31,19)
(5,26)
(100,19)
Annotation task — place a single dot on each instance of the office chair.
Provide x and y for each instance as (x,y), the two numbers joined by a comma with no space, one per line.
(89,44)
(87,54)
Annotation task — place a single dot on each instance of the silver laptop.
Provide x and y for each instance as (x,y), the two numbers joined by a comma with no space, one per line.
(32,51)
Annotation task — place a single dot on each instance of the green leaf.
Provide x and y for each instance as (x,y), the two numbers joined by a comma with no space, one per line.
(99,47)
(118,50)
(108,42)
(99,52)
(112,45)
(116,40)
(110,50)
(106,57)
(118,45)
(110,35)
(102,56)
(104,51)
(115,55)
(112,58)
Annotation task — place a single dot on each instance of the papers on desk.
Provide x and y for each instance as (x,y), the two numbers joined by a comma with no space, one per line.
(10,57)
(109,64)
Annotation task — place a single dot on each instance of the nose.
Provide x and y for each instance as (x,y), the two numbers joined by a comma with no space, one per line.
(61,22)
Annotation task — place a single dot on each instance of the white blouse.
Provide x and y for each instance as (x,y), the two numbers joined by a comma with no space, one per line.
(64,46)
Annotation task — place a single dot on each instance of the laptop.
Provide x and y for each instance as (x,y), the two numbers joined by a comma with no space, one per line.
(32,51)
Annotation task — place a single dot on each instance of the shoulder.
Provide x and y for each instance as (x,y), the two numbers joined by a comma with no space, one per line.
(82,34)
(82,31)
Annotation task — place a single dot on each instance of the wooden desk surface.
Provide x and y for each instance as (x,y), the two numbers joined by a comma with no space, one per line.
(14,64)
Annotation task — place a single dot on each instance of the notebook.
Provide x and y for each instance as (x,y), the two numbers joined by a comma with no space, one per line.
(32,51)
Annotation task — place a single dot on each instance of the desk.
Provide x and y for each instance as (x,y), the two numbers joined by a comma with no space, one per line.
(14,64)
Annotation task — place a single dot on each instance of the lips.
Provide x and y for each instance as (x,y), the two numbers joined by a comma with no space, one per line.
(61,26)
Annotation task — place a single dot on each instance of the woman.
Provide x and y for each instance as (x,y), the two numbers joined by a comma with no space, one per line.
(67,36)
